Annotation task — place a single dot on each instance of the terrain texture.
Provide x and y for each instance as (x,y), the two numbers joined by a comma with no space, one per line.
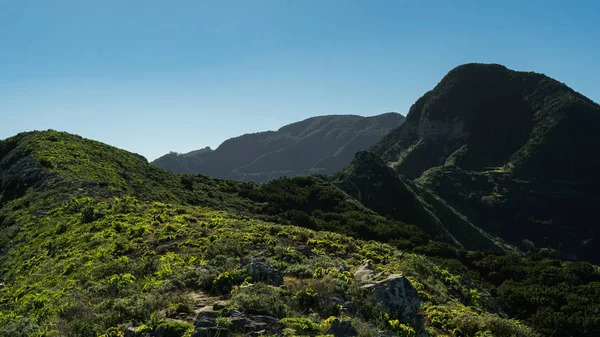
(439,230)
(318,145)
(508,153)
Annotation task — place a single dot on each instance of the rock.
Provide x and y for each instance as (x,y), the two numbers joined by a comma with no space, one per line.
(206,319)
(364,271)
(207,311)
(351,308)
(245,324)
(306,251)
(398,297)
(341,329)
(250,323)
(260,271)
(211,332)
(218,305)
(130,332)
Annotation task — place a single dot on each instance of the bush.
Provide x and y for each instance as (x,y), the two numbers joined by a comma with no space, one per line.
(261,297)
(173,329)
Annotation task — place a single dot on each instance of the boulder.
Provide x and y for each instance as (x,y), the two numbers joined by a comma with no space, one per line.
(211,332)
(398,297)
(341,329)
(130,331)
(206,319)
(364,271)
(218,305)
(260,271)
(306,251)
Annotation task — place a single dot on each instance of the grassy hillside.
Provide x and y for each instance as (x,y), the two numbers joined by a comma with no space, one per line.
(96,241)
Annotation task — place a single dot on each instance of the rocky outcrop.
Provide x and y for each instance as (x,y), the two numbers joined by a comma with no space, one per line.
(398,297)
(237,322)
(260,271)
(341,329)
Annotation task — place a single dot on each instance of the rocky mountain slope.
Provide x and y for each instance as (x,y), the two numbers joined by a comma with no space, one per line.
(318,145)
(513,153)
(94,241)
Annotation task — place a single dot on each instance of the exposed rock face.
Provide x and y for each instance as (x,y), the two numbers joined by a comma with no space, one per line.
(318,145)
(245,323)
(398,297)
(211,332)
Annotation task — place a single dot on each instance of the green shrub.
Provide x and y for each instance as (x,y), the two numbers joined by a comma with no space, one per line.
(174,329)
(225,281)
(261,297)
(301,325)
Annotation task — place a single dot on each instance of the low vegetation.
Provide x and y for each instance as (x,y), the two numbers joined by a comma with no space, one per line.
(96,241)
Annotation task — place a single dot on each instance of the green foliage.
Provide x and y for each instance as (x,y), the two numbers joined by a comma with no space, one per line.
(402,330)
(261,297)
(335,273)
(174,329)
(226,280)
(134,244)
(301,325)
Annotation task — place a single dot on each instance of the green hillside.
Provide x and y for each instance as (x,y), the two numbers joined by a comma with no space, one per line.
(96,241)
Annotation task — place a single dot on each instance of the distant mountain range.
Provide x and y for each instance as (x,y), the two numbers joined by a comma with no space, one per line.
(318,145)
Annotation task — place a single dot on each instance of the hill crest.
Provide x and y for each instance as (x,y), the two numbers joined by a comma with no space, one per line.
(317,145)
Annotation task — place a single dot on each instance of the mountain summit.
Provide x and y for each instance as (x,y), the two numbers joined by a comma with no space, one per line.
(318,145)
(485,115)
(513,152)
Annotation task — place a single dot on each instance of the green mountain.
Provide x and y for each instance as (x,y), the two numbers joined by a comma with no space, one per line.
(511,153)
(95,241)
(318,145)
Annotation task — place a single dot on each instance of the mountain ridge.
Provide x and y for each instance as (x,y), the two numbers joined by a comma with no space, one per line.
(317,145)
(95,241)
(501,146)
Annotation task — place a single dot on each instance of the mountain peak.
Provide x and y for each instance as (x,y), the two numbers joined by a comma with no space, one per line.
(512,151)
(486,115)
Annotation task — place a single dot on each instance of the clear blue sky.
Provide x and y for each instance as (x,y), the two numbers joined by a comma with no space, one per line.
(154,76)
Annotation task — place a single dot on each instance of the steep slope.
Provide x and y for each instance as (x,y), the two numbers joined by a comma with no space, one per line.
(318,145)
(378,187)
(94,241)
(512,151)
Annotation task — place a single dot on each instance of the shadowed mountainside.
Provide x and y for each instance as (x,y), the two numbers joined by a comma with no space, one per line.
(318,145)
(512,152)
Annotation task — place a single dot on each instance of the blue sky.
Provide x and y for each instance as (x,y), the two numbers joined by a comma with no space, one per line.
(154,76)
